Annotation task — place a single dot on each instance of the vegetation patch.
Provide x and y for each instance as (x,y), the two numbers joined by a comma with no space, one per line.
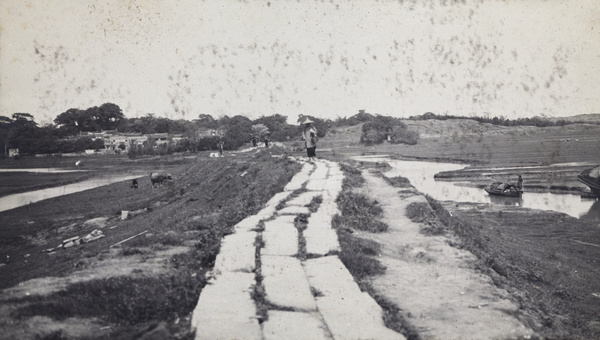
(398,182)
(357,255)
(359,212)
(422,213)
(352,176)
(121,300)
(314,204)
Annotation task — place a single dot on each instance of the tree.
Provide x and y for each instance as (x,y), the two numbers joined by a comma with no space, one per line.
(206,120)
(106,117)
(382,128)
(259,131)
(237,129)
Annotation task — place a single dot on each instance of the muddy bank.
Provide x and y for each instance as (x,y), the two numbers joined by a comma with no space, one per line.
(439,289)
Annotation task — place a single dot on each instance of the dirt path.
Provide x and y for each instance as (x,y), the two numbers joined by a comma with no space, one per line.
(436,285)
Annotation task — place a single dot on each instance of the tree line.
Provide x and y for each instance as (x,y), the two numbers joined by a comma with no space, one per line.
(20,131)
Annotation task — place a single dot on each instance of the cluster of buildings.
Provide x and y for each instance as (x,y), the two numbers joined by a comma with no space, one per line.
(118,142)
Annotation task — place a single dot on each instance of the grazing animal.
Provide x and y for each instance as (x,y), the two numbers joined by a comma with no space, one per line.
(157,178)
(134,184)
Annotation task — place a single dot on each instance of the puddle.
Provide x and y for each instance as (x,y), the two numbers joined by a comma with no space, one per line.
(18,200)
(420,174)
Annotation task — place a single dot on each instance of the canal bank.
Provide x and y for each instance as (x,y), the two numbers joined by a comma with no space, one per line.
(546,261)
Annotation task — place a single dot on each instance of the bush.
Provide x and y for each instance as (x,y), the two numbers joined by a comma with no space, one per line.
(383,128)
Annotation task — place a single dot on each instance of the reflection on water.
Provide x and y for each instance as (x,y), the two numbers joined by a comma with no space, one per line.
(17,200)
(420,174)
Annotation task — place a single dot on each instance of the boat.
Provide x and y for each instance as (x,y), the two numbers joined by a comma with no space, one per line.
(591,178)
(504,189)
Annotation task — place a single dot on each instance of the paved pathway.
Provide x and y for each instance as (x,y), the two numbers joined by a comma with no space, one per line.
(315,298)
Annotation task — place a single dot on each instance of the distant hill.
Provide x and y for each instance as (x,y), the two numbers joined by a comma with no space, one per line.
(587,118)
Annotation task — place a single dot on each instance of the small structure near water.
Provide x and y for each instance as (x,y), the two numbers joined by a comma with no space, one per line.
(504,189)
(591,178)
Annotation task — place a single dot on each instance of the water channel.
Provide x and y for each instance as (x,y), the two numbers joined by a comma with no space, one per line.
(17,200)
(420,174)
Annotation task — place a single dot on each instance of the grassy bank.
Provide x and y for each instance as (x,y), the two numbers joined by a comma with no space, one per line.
(146,286)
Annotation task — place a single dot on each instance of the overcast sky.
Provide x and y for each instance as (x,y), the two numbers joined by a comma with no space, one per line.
(324,58)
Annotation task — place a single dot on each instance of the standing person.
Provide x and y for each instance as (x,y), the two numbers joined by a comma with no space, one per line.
(220,145)
(254,141)
(267,142)
(309,134)
(520,183)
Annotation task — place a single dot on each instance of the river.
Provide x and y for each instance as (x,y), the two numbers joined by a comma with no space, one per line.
(420,174)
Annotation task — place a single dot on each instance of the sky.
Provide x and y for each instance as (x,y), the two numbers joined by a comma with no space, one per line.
(330,59)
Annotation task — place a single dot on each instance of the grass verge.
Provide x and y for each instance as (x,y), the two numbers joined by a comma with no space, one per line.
(358,254)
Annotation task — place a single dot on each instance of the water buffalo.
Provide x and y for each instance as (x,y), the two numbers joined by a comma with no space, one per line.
(157,178)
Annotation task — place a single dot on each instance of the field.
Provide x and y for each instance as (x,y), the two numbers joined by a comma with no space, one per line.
(146,285)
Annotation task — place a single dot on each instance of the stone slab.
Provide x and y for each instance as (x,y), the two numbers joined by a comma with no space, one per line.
(355,317)
(295,325)
(303,199)
(280,237)
(285,283)
(238,253)
(321,241)
(278,198)
(225,309)
(328,209)
(294,210)
(329,276)
(316,184)
(247,223)
(320,172)
(300,178)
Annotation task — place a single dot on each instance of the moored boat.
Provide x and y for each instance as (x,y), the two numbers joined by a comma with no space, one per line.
(504,189)
(591,178)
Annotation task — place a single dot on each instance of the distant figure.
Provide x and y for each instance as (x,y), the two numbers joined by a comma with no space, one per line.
(220,146)
(520,183)
(253,141)
(267,142)
(309,134)
(134,184)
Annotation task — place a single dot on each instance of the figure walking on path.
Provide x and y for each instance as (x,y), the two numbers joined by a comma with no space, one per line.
(266,142)
(309,134)
(253,141)
(520,183)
